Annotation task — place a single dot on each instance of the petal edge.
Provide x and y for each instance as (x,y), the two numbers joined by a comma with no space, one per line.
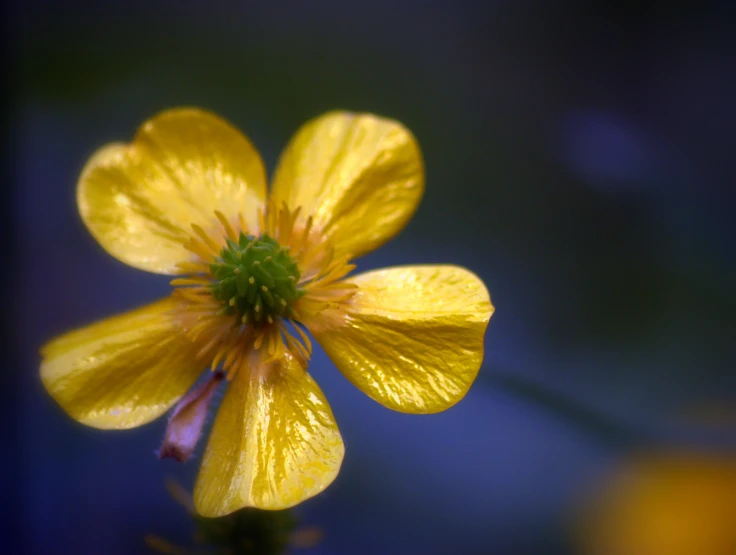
(412,336)
(359,176)
(274,443)
(121,372)
(139,199)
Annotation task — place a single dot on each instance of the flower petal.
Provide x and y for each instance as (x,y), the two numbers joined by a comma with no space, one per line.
(121,372)
(359,176)
(139,200)
(274,442)
(411,337)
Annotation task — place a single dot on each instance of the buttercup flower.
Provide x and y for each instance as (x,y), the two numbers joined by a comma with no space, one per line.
(253,271)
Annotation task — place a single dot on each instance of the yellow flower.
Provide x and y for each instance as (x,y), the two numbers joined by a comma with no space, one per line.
(188,198)
(664,503)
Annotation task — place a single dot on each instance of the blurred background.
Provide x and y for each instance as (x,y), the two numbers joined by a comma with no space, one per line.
(580,159)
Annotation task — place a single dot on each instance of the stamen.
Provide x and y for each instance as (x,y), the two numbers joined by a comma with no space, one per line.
(218,359)
(193,268)
(229,231)
(208,347)
(241,289)
(193,295)
(232,354)
(305,339)
(206,239)
(198,248)
(241,221)
(262,221)
(189,281)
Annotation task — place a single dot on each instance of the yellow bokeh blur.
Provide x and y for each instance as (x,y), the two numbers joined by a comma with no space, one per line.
(664,504)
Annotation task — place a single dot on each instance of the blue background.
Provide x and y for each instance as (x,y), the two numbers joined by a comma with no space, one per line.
(580,159)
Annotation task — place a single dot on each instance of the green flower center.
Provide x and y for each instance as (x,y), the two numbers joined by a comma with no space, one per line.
(256,279)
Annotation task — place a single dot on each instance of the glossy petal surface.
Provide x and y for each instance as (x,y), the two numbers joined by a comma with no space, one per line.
(121,372)
(274,443)
(360,176)
(139,200)
(412,337)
